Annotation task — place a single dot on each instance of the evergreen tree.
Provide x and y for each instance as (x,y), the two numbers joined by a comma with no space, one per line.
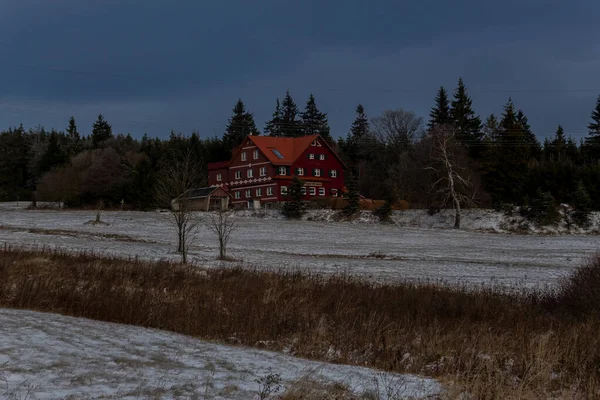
(357,139)
(54,155)
(529,138)
(294,207)
(467,124)
(490,128)
(352,198)
(593,141)
(101,131)
(314,122)
(291,125)
(360,125)
(240,125)
(72,130)
(274,127)
(440,114)
(581,204)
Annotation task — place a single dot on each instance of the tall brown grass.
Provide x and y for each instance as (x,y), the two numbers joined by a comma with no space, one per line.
(489,344)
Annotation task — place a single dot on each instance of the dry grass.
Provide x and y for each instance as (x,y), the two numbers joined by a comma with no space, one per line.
(492,345)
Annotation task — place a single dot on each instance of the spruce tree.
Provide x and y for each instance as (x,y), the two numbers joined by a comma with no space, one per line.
(581,203)
(314,122)
(467,124)
(357,140)
(54,155)
(352,198)
(72,130)
(101,131)
(274,127)
(529,139)
(240,125)
(593,141)
(291,125)
(294,207)
(440,114)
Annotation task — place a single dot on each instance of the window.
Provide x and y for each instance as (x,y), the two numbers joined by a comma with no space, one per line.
(258,192)
(219,177)
(284,190)
(243,156)
(334,192)
(263,171)
(255,155)
(237,194)
(322,191)
(321,157)
(238,175)
(277,153)
(316,143)
(317,172)
(269,191)
(300,171)
(248,194)
(303,190)
(334,173)
(250,173)
(311,156)
(282,171)
(312,191)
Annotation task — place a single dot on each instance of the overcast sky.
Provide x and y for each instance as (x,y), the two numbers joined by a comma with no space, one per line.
(156,65)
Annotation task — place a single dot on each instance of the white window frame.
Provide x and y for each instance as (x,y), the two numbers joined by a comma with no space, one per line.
(322,157)
(284,190)
(317,172)
(255,154)
(334,192)
(284,169)
(311,156)
(250,173)
(300,171)
(312,191)
(248,193)
(321,191)
(303,191)
(334,173)
(219,177)
(243,156)
(270,191)
(238,174)
(263,171)
(314,143)
(258,192)
(238,195)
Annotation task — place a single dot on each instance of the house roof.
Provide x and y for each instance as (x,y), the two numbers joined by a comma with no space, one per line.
(199,193)
(282,150)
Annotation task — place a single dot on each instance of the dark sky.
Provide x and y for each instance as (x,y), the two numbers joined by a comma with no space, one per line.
(156,65)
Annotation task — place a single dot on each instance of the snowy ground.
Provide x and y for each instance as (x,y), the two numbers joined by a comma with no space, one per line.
(379,252)
(49,356)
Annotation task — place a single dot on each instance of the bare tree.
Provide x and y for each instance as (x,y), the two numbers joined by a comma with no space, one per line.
(397,128)
(174,182)
(447,163)
(222,223)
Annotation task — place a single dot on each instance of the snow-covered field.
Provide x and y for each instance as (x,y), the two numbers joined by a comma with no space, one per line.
(49,356)
(416,248)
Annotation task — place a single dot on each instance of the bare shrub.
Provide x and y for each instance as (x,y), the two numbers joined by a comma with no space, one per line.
(579,293)
(222,223)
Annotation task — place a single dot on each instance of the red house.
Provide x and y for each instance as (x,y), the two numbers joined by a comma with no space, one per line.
(262,167)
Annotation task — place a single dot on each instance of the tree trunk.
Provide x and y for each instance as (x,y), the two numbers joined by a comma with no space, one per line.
(221,249)
(456,214)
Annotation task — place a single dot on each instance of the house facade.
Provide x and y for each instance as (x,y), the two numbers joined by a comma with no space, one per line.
(262,167)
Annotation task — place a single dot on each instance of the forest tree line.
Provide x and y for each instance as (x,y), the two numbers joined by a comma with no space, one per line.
(494,161)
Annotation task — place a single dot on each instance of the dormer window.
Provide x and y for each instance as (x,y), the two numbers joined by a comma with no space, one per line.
(282,171)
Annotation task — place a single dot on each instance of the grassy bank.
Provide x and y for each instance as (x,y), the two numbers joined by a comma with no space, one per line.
(489,344)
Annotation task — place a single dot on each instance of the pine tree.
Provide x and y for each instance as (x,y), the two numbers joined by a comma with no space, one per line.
(593,141)
(294,206)
(440,114)
(54,155)
(581,203)
(467,124)
(101,131)
(314,122)
(291,125)
(490,128)
(357,140)
(240,125)
(360,126)
(274,127)
(529,138)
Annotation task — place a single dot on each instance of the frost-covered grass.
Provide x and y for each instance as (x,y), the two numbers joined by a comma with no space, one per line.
(416,248)
(49,356)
